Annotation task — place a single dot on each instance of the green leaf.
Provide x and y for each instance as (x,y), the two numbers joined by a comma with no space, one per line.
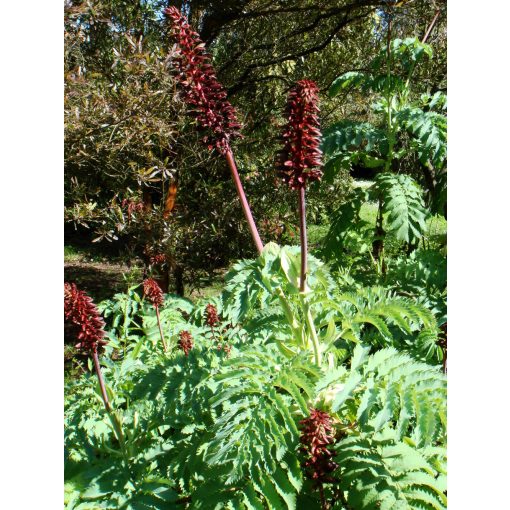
(404,205)
(346,80)
(350,385)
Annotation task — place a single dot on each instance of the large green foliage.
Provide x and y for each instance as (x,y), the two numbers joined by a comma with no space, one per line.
(392,460)
(211,431)
(263,295)
(403,203)
(404,211)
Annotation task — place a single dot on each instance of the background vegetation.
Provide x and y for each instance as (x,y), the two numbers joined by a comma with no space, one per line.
(137,183)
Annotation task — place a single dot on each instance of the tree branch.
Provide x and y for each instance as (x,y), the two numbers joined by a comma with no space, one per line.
(293,56)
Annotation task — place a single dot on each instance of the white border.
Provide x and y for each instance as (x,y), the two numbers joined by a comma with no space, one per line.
(478,268)
(479,254)
(31,134)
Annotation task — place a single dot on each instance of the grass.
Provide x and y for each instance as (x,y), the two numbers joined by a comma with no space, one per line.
(99,275)
(436,225)
(72,254)
(368,212)
(77,254)
(211,289)
(103,276)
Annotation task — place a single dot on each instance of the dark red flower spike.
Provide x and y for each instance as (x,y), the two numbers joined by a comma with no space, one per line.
(300,160)
(80,310)
(185,342)
(211,315)
(152,291)
(208,99)
(201,89)
(317,435)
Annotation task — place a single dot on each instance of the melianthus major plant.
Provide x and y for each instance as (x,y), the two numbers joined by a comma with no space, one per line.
(407,137)
(297,388)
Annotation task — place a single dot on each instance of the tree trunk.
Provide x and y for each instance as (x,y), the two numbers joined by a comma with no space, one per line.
(378,244)
(179,279)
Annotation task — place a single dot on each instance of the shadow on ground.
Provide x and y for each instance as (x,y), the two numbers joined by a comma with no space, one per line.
(100,281)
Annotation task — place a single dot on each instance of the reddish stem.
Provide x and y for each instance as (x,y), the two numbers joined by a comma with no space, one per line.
(431,26)
(244,201)
(160,329)
(101,380)
(303,237)
(324,505)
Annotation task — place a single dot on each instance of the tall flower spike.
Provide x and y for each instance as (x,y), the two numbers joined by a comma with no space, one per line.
(316,437)
(208,99)
(201,89)
(300,159)
(153,292)
(80,310)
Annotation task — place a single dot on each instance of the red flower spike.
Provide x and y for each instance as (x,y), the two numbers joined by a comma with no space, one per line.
(316,436)
(185,342)
(201,89)
(153,292)
(300,159)
(158,259)
(80,310)
(211,315)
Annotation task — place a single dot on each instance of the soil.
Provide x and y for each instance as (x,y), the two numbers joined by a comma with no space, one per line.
(99,280)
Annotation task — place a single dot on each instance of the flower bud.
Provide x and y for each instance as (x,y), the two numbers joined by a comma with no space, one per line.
(317,434)
(185,342)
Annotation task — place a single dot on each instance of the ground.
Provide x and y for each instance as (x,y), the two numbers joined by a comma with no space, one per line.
(102,277)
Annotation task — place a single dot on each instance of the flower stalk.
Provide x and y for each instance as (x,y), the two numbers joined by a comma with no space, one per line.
(152,291)
(160,328)
(102,386)
(80,310)
(244,201)
(313,333)
(208,100)
(303,239)
(300,159)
